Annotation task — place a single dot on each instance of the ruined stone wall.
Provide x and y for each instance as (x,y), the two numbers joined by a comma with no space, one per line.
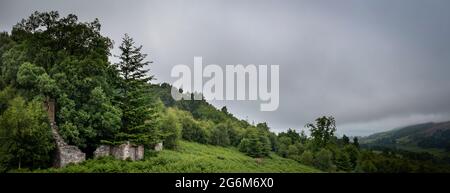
(123,151)
(50,107)
(102,151)
(64,154)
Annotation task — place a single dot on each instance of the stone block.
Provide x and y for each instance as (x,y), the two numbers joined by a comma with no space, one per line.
(102,151)
(159,146)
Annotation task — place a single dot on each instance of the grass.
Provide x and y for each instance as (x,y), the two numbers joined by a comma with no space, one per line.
(191,157)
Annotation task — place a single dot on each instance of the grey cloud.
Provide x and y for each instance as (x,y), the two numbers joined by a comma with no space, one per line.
(373,64)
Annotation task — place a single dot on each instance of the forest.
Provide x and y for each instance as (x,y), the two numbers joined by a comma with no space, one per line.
(48,57)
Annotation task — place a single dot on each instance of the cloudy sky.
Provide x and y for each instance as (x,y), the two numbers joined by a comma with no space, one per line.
(372,64)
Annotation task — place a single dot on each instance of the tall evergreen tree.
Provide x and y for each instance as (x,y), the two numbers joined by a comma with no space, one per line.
(132,63)
(139,107)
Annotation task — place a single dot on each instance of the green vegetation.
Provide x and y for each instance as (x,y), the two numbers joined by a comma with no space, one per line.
(64,60)
(28,139)
(327,152)
(139,109)
(427,137)
(48,58)
(51,58)
(255,143)
(191,157)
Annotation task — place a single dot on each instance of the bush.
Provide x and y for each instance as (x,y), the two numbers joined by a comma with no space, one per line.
(323,159)
(171,129)
(235,133)
(283,146)
(307,158)
(255,143)
(353,154)
(342,161)
(219,135)
(193,130)
(293,151)
(366,166)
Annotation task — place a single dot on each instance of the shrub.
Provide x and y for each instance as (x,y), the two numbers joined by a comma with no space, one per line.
(323,159)
(255,143)
(171,129)
(365,166)
(342,161)
(307,158)
(220,136)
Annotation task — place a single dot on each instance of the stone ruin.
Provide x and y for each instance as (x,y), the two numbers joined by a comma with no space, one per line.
(123,151)
(159,146)
(64,153)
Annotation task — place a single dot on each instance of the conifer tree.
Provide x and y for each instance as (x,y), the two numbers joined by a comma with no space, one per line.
(139,107)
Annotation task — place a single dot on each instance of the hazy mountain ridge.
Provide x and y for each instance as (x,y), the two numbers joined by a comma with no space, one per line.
(419,137)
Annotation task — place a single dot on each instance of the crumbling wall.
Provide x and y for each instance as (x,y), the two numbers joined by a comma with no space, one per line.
(123,151)
(64,153)
(102,151)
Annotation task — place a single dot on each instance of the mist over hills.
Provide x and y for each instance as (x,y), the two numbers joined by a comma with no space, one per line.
(434,137)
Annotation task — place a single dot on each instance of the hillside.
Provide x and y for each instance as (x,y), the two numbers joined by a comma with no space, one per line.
(429,137)
(191,157)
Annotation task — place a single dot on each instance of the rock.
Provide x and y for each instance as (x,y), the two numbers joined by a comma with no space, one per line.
(159,146)
(259,160)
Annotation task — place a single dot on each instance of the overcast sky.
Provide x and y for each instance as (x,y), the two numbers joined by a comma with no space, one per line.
(372,64)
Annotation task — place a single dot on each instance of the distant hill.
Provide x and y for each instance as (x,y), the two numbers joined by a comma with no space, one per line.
(429,137)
